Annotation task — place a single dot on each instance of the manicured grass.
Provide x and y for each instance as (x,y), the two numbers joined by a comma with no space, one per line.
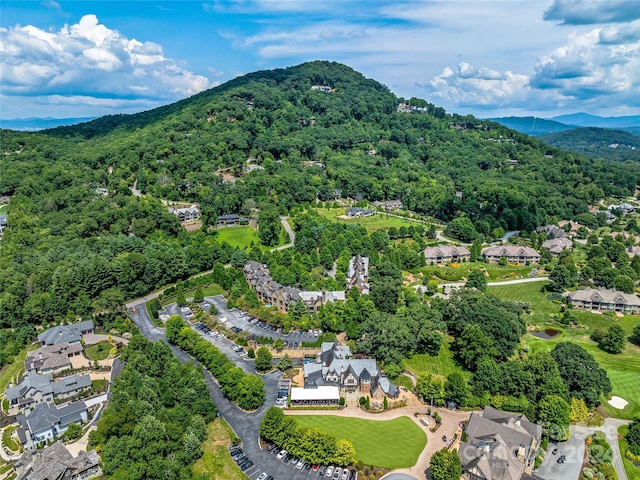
(388,444)
(4,208)
(212,290)
(8,372)
(99,384)
(238,236)
(442,364)
(623,369)
(9,442)
(215,462)
(99,351)
(506,272)
(633,472)
(374,222)
(404,381)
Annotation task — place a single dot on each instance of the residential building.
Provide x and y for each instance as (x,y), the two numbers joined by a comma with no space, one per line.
(513,254)
(446,253)
(46,422)
(389,205)
(231,220)
(3,222)
(633,250)
(605,300)
(624,208)
(51,358)
(557,245)
(273,293)
(358,212)
(358,275)
(56,462)
(323,396)
(552,231)
(499,446)
(321,88)
(34,389)
(188,213)
(70,334)
(336,367)
(573,226)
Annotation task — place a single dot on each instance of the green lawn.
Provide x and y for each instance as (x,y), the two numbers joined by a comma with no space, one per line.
(8,441)
(99,351)
(506,272)
(374,222)
(388,444)
(442,364)
(633,472)
(216,463)
(623,369)
(238,236)
(8,372)
(4,208)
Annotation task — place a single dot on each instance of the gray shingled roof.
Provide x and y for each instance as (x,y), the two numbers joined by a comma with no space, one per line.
(31,380)
(604,295)
(65,333)
(44,416)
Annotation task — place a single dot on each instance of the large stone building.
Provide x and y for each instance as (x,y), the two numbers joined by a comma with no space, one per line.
(513,254)
(52,358)
(56,462)
(499,446)
(275,294)
(605,300)
(336,367)
(71,334)
(358,275)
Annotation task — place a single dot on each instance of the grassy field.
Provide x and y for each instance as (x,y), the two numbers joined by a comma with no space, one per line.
(99,351)
(388,444)
(375,222)
(216,463)
(442,364)
(238,236)
(8,372)
(623,369)
(633,472)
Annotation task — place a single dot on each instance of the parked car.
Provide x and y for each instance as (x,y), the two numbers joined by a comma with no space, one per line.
(345,474)
(300,464)
(555,451)
(281,455)
(329,471)
(336,473)
(263,476)
(352,475)
(321,470)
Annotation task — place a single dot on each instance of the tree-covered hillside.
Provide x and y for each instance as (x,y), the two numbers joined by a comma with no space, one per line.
(71,251)
(595,142)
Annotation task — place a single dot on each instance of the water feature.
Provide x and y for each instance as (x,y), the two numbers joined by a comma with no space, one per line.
(547,333)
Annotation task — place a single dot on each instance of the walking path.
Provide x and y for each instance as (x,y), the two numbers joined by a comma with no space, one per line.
(497,284)
(449,426)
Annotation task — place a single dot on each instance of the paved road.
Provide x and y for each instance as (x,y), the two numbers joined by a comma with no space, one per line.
(574,450)
(246,425)
(290,232)
(497,284)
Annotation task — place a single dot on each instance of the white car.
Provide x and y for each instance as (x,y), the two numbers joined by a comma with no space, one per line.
(263,476)
(222,319)
(329,471)
(281,455)
(300,464)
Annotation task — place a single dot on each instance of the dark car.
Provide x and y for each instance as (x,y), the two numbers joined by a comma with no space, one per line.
(246,466)
(321,470)
(562,459)
(555,451)
(352,475)
(444,438)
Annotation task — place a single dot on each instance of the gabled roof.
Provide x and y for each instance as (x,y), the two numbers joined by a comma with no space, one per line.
(30,381)
(604,295)
(65,333)
(509,251)
(44,416)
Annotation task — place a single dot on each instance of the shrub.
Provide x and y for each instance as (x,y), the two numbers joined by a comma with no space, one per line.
(342,401)
(587,472)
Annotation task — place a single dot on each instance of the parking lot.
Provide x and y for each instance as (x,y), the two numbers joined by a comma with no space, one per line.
(553,468)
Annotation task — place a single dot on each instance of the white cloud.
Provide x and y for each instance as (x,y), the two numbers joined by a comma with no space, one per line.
(587,12)
(87,60)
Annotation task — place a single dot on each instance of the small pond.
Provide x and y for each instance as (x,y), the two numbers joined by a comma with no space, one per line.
(547,333)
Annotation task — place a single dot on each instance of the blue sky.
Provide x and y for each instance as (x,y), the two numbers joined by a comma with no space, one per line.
(489,58)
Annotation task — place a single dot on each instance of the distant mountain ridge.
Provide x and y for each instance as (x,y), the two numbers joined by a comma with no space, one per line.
(542,126)
(597,143)
(35,123)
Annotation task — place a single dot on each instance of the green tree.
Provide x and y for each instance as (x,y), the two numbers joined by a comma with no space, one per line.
(472,346)
(476,279)
(578,410)
(250,392)
(198,296)
(73,432)
(614,339)
(445,465)
(554,416)
(635,336)
(624,283)
(285,363)
(581,373)
(431,389)
(456,389)
(633,437)
(181,301)
(278,344)
(461,228)
(269,225)
(345,453)
(192,446)
(263,359)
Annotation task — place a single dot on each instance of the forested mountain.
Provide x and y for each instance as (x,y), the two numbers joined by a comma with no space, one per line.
(533,125)
(71,251)
(597,143)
